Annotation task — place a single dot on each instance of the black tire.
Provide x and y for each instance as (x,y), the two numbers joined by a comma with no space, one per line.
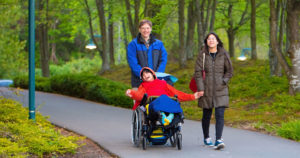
(179,140)
(136,127)
(173,140)
(144,142)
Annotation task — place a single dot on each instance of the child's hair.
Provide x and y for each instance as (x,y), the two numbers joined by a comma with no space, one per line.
(148,71)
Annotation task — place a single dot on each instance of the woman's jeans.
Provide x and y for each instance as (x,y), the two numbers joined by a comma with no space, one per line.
(219,114)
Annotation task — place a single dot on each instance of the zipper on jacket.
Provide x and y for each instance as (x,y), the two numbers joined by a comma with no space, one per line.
(214,82)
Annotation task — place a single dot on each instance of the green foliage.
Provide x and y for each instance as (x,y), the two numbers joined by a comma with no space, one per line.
(41,83)
(12,54)
(86,86)
(21,137)
(75,66)
(255,81)
(92,87)
(290,130)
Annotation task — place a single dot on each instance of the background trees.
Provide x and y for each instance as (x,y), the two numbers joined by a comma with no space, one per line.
(65,27)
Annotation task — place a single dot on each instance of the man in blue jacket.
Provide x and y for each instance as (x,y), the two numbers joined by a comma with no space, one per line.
(145,51)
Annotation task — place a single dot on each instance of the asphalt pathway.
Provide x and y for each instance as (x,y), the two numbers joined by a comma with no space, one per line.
(110,127)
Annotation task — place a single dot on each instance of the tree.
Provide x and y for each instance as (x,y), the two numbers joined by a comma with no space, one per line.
(111,34)
(182,54)
(200,30)
(133,24)
(13,55)
(293,14)
(105,53)
(233,29)
(253,30)
(192,18)
(293,72)
(42,34)
(212,19)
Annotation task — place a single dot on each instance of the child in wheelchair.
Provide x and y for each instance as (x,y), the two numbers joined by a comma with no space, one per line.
(156,102)
(155,87)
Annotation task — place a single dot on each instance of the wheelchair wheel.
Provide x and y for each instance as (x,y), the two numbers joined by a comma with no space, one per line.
(179,140)
(173,140)
(144,142)
(136,127)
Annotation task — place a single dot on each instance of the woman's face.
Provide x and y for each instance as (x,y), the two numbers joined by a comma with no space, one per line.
(148,76)
(145,30)
(212,41)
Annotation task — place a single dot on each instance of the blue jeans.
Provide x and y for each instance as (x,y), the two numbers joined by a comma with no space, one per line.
(219,114)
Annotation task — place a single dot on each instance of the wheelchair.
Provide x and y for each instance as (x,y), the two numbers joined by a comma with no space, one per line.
(147,128)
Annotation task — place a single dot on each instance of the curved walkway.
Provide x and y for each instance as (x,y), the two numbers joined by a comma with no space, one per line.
(110,127)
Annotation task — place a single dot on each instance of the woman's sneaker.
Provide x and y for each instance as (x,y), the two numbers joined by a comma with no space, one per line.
(208,142)
(219,144)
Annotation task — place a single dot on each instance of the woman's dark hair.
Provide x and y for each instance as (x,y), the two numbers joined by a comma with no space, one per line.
(220,43)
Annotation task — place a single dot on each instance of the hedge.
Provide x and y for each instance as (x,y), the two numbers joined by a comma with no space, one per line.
(85,86)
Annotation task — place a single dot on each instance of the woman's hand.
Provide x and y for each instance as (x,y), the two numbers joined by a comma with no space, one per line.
(128,93)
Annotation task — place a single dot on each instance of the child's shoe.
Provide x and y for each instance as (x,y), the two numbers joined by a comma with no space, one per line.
(169,119)
(163,118)
(208,142)
(219,144)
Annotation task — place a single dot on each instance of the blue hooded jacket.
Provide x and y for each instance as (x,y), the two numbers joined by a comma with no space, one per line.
(138,56)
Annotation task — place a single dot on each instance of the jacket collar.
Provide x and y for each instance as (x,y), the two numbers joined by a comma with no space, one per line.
(140,39)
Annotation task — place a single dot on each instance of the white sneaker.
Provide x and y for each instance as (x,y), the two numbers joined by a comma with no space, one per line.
(208,142)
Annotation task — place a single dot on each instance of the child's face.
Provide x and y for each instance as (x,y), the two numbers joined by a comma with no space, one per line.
(148,76)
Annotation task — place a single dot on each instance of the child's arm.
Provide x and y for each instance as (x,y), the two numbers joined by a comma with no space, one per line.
(136,95)
(181,95)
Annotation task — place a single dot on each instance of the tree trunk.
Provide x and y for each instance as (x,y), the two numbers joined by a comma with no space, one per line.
(207,16)
(111,39)
(191,30)
(202,17)
(151,11)
(42,30)
(199,26)
(182,55)
(273,38)
(146,10)
(137,4)
(53,57)
(230,31)
(273,60)
(231,36)
(253,30)
(102,21)
(293,14)
(125,33)
(92,29)
(212,19)
(133,26)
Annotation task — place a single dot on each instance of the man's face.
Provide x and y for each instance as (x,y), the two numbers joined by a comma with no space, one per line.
(148,76)
(145,30)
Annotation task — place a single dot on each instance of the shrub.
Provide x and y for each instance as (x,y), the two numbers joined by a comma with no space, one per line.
(92,87)
(86,86)
(21,137)
(41,83)
(290,130)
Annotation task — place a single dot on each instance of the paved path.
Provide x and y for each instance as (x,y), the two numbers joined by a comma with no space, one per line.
(110,127)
